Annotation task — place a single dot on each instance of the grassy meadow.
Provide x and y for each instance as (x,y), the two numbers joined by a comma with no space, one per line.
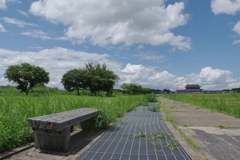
(224,103)
(15,108)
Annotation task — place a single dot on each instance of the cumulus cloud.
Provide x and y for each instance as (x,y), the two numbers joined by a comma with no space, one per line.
(3,4)
(56,61)
(225,6)
(236,28)
(17,22)
(146,76)
(110,22)
(2,29)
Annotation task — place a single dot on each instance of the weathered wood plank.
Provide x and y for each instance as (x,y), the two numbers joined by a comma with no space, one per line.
(62,120)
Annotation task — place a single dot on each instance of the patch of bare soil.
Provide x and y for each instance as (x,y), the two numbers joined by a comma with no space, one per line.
(80,140)
(217,135)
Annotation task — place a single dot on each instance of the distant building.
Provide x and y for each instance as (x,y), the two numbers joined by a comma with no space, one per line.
(191,88)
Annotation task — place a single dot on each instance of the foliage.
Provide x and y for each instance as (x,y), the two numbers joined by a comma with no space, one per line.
(151,97)
(75,79)
(95,77)
(225,103)
(100,78)
(134,89)
(26,76)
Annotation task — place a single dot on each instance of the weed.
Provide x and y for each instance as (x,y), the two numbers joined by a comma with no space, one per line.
(185,125)
(154,107)
(123,121)
(189,140)
(221,126)
(170,118)
(140,134)
(171,144)
(154,135)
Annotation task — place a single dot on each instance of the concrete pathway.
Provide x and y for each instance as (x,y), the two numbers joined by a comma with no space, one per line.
(203,126)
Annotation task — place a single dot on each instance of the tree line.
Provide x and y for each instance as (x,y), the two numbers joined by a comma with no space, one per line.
(96,78)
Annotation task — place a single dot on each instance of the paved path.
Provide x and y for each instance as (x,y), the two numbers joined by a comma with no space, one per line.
(123,140)
(214,143)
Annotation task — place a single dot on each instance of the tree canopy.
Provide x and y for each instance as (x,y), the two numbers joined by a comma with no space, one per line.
(134,89)
(95,77)
(26,76)
(75,79)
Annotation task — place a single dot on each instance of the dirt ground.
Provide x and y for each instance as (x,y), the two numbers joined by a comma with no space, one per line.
(80,141)
(204,128)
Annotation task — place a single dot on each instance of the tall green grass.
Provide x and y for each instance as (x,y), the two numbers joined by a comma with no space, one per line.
(224,103)
(16,108)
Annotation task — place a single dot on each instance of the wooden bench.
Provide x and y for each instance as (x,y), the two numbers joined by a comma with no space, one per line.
(52,132)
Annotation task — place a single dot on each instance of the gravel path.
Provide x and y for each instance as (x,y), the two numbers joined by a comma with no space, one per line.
(214,143)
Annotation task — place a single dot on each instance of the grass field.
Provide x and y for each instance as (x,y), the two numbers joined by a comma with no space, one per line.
(15,108)
(224,103)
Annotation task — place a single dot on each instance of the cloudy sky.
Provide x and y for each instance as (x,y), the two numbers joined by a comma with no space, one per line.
(154,43)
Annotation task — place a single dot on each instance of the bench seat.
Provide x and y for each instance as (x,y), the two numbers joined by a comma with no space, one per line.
(52,132)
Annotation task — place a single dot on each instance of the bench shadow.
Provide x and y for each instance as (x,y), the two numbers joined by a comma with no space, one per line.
(79,139)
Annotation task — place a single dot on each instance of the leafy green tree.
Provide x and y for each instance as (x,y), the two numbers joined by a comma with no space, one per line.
(134,89)
(75,79)
(26,76)
(100,78)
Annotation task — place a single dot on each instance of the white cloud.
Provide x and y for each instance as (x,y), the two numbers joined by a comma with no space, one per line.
(225,6)
(58,61)
(23,13)
(17,22)
(236,28)
(211,78)
(2,29)
(3,4)
(146,76)
(152,56)
(41,35)
(114,22)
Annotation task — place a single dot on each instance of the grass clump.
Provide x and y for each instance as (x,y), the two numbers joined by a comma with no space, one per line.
(185,125)
(140,134)
(221,126)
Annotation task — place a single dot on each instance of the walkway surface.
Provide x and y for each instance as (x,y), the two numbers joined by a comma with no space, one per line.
(202,126)
(140,135)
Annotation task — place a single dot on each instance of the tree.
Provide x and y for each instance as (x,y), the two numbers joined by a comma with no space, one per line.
(134,89)
(75,79)
(100,78)
(26,76)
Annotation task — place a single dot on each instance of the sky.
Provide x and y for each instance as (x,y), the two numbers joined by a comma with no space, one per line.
(158,44)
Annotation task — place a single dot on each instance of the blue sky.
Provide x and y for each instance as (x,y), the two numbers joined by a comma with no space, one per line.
(154,43)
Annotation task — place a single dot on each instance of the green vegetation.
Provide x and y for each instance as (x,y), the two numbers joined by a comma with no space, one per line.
(95,77)
(26,76)
(225,103)
(189,140)
(134,89)
(140,134)
(15,108)
(221,126)
(185,125)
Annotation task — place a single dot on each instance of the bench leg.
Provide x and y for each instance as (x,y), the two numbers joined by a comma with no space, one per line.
(52,140)
(88,124)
